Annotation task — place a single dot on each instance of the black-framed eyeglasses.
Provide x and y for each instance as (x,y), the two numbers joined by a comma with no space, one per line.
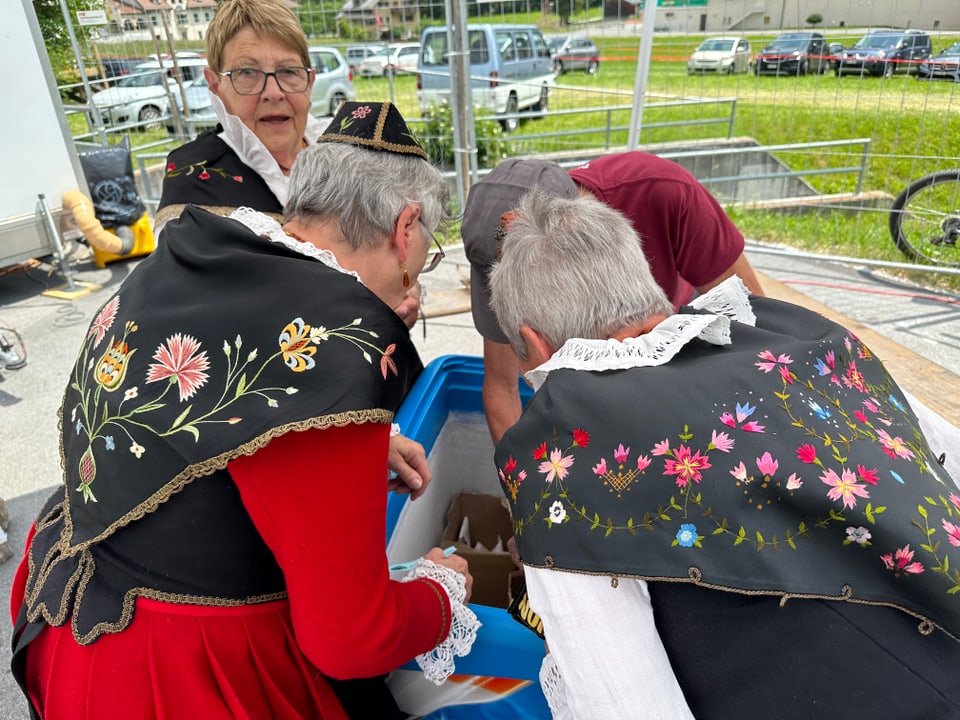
(434,258)
(253,81)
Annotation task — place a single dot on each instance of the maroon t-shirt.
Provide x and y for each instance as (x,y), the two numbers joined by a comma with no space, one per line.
(687,237)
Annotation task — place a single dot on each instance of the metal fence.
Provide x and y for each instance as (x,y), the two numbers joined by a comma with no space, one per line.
(851,143)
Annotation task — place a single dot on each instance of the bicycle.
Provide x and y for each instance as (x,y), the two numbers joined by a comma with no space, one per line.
(925,219)
(13,351)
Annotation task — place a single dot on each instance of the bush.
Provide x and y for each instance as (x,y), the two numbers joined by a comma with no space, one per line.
(437,138)
(814,19)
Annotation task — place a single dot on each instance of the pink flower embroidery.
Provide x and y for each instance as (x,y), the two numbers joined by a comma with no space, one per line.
(386,362)
(767,465)
(643,462)
(900,562)
(556,466)
(661,448)
(204,175)
(742,413)
(953,532)
(859,415)
(740,472)
(686,466)
(794,482)
(868,476)
(721,441)
(844,487)
(871,405)
(854,378)
(601,467)
(620,454)
(894,446)
(807,454)
(179,359)
(361,112)
(171,166)
(955,499)
(104,320)
(238,178)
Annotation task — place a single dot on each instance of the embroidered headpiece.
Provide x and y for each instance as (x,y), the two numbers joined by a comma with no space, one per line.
(373,125)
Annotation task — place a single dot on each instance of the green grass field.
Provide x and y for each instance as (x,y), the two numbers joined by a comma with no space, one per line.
(913,127)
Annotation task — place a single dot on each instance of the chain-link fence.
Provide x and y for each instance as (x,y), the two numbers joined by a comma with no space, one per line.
(806,134)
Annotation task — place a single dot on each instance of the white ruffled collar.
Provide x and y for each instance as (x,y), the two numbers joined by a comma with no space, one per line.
(254,153)
(268,228)
(727,301)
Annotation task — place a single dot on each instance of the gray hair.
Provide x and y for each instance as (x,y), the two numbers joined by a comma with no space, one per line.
(571,268)
(364,191)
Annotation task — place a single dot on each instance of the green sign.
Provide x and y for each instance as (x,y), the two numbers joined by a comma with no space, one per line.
(677,3)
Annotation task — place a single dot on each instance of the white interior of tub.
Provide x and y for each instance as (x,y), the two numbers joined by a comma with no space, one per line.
(461,461)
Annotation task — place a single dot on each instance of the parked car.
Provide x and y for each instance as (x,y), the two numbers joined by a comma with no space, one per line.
(945,64)
(333,84)
(574,52)
(201,115)
(886,52)
(510,70)
(141,96)
(721,55)
(835,50)
(356,54)
(794,53)
(114,67)
(394,58)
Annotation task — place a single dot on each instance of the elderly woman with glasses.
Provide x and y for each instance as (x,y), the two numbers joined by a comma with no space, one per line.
(216,549)
(725,512)
(260,77)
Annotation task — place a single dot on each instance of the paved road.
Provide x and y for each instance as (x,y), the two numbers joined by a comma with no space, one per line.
(925,321)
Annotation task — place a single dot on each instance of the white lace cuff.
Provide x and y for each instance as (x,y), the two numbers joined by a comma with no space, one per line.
(437,665)
(554,688)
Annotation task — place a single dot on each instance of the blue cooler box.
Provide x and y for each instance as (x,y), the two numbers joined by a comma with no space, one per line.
(499,678)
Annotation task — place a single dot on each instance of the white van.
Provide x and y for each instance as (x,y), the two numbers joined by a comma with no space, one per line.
(510,69)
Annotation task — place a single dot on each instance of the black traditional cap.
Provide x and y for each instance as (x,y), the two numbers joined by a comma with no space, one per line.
(373,125)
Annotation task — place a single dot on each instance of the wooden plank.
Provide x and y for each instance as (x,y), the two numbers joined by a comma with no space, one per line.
(932,384)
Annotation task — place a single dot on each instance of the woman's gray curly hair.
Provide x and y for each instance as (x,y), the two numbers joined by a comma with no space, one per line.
(571,269)
(364,191)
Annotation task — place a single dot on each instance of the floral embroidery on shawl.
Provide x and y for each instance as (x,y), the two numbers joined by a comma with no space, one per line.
(182,362)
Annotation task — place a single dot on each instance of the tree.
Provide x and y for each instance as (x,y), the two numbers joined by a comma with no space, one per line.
(54,29)
(814,19)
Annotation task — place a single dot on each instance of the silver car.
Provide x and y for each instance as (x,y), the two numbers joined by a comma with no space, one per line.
(333,84)
(727,55)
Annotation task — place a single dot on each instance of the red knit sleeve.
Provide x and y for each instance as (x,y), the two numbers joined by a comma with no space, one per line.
(319,499)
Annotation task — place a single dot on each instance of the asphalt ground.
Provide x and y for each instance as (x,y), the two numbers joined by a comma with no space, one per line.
(925,321)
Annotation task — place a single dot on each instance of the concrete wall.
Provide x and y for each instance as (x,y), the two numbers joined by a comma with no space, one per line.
(773,15)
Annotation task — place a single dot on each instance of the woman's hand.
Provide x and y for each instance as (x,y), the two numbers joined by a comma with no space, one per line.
(409,461)
(409,309)
(455,563)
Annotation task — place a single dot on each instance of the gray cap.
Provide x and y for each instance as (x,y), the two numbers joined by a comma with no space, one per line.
(498,193)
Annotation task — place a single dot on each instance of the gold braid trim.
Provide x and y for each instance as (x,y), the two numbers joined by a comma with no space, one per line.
(85,571)
(62,550)
(695,577)
(171,212)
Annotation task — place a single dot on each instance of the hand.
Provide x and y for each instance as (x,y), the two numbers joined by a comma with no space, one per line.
(409,309)
(514,553)
(409,461)
(455,563)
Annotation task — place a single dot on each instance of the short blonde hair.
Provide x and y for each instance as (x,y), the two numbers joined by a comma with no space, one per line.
(267,18)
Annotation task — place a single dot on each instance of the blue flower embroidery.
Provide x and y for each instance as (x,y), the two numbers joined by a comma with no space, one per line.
(687,535)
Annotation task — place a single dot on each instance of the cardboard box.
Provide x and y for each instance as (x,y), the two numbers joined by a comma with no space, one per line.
(490,525)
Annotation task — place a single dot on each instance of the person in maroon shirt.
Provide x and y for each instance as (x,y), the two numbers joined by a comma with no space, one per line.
(688,240)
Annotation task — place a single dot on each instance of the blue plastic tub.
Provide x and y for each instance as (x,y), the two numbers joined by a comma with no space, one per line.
(498,679)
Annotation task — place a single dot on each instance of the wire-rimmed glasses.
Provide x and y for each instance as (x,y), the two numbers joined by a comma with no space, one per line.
(434,258)
(253,81)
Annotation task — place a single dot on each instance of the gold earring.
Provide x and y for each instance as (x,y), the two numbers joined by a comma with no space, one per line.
(406,277)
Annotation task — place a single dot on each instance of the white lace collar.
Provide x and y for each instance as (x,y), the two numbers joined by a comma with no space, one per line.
(254,153)
(266,227)
(727,301)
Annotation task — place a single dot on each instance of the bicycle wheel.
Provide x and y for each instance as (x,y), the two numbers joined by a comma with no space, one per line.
(925,219)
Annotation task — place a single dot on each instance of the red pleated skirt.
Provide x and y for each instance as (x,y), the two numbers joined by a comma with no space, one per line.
(177,662)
